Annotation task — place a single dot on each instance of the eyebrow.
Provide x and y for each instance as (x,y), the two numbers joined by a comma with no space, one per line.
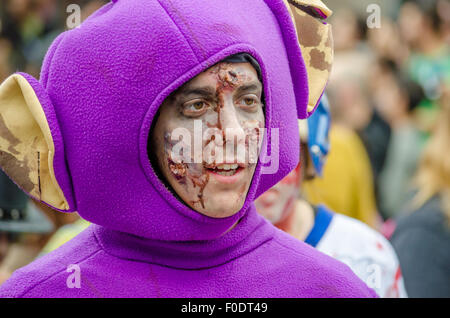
(253,86)
(206,91)
(210,92)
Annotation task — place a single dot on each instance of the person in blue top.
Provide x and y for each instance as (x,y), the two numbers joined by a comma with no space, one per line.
(364,250)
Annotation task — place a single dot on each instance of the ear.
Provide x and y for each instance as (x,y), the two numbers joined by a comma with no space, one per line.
(316,43)
(31,147)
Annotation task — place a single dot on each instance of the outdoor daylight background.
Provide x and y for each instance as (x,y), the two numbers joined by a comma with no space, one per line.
(389,83)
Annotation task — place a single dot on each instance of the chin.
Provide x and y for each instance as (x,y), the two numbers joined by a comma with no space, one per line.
(221,203)
(222,207)
(222,212)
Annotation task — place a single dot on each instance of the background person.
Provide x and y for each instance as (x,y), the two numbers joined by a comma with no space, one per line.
(422,235)
(362,248)
(396,99)
(346,185)
(24,228)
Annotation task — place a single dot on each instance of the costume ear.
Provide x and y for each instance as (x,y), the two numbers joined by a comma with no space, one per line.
(30,149)
(316,43)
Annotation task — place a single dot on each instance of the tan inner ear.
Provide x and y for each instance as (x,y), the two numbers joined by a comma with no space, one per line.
(303,129)
(26,144)
(316,4)
(316,42)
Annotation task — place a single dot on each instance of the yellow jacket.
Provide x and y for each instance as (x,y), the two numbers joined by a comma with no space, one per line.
(347,185)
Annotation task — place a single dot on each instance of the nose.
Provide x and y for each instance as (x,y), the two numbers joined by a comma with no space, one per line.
(232,130)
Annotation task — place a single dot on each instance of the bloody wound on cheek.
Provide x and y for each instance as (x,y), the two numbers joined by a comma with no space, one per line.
(201,183)
(181,171)
(177,169)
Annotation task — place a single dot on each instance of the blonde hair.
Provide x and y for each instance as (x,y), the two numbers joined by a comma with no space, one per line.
(433,175)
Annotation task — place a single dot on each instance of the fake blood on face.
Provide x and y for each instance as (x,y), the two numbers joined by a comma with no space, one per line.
(207,186)
(201,183)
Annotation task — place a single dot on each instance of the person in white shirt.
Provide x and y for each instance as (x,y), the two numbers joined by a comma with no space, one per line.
(364,250)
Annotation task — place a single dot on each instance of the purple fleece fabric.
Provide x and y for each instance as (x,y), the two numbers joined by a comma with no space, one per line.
(106,81)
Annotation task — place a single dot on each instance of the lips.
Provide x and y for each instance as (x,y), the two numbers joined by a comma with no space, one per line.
(225,169)
(225,173)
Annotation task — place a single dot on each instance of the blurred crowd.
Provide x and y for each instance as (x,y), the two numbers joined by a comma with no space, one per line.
(390,138)
(387,85)
(389,160)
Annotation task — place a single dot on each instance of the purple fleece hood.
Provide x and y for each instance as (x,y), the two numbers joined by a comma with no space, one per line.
(86,150)
(103,82)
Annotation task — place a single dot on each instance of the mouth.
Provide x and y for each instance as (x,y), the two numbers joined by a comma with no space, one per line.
(226,173)
(224,169)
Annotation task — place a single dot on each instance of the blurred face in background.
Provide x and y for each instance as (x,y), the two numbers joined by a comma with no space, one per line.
(5,52)
(17,9)
(389,100)
(90,8)
(345,30)
(276,203)
(387,42)
(352,107)
(410,22)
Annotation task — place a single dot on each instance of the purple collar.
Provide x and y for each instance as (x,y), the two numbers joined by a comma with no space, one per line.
(251,231)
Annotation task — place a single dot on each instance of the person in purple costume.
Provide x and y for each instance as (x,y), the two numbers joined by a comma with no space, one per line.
(127,126)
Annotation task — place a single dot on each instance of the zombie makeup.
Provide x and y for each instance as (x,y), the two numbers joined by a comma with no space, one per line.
(208,135)
(278,202)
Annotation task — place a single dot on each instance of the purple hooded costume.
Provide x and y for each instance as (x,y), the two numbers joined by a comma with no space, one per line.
(101,85)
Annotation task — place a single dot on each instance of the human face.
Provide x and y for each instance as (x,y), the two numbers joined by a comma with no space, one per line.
(278,202)
(222,112)
(307,171)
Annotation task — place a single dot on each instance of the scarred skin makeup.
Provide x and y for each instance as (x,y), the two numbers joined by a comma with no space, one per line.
(277,203)
(283,206)
(220,115)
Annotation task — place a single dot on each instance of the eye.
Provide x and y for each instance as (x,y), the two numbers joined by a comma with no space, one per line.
(194,108)
(198,105)
(249,102)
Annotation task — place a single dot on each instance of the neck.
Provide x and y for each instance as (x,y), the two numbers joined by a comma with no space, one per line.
(286,224)
(400,121)
(299,221)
